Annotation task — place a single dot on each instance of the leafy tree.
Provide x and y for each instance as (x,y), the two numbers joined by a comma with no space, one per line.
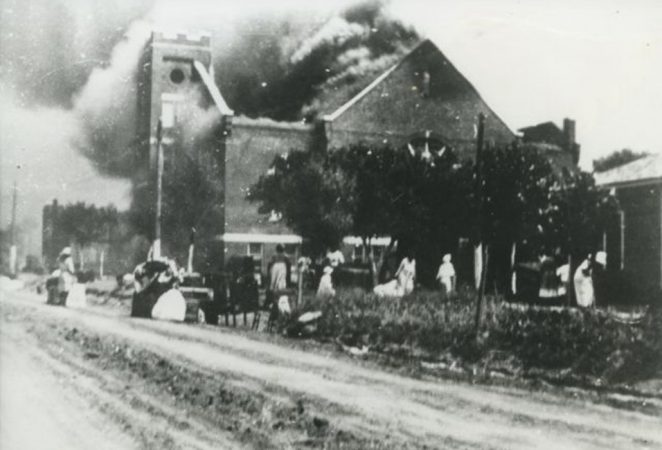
(83,224)
(616,158)
(314,196)
(368,192)
(577,213)
(515,182)
(428,203)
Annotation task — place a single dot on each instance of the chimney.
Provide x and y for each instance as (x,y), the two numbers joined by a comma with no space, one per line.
(569,143)
(568,133)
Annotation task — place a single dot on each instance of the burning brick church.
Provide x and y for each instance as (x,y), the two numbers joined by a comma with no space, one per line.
(422,102)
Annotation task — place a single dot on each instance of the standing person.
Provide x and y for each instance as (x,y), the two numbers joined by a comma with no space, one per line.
(584,284)
(67,276)
(279,270)
(406,274)
(279,280)
(446,275)
(325,288)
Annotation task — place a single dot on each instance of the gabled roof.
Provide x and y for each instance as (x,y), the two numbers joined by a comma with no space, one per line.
(646,170)
(426,43)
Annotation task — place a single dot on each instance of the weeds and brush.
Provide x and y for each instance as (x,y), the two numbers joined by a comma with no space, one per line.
(582,342)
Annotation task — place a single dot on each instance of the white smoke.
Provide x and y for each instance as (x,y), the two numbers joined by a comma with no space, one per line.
(335,32)
(106,105)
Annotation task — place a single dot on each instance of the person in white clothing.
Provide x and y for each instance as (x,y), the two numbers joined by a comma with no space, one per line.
(325,288)
(583,284)
(67,276)
(403,284)
(446,275)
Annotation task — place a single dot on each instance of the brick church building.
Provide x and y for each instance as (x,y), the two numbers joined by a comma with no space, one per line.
(422,100)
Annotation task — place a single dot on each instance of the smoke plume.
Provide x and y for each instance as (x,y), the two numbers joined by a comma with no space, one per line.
(67,78)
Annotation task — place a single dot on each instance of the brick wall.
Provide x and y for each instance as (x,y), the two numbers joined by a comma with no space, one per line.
(425,92)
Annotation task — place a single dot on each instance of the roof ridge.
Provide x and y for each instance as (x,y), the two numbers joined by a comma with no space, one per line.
(338,112)
(640,170)
(351,102)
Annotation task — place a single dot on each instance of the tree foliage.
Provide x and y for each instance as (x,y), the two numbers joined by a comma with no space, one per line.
(516,180)
(83,224)
(369,192)
(314,196)
(576,214)
(429,203)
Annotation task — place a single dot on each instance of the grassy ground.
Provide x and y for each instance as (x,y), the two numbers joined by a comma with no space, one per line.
(430,334)
(591,346)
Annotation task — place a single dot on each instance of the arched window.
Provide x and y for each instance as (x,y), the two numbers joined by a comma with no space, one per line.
(426,144)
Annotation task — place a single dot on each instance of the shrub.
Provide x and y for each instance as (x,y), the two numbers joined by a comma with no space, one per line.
(589,342)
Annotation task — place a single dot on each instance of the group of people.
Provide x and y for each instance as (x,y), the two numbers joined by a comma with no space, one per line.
(403,282)
(588,278)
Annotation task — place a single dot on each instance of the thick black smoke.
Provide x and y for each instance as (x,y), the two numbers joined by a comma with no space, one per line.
(79,59)
(268,76)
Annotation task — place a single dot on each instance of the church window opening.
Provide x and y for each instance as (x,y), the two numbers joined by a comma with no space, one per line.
(177,76)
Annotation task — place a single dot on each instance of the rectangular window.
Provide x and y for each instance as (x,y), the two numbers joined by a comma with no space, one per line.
(168,115)
(169,109)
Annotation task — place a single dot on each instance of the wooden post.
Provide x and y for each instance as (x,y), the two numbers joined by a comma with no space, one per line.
(481,290)
(156,254)
(479,192)
(570,285)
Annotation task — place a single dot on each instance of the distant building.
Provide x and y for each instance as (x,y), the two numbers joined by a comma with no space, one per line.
(421,100)
(634,240)
(559,144)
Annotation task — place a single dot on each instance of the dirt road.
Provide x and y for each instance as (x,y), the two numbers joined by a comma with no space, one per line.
(74,377)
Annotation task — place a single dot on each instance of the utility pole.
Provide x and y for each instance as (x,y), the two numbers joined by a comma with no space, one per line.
(156,247)
(12,250)
(480,195)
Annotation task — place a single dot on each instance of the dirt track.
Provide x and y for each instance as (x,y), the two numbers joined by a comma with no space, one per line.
(92,376)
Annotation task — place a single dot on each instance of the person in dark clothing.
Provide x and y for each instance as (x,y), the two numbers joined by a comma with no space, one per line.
(244,290)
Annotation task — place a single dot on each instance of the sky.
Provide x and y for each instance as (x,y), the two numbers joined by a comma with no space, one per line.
(598,62)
